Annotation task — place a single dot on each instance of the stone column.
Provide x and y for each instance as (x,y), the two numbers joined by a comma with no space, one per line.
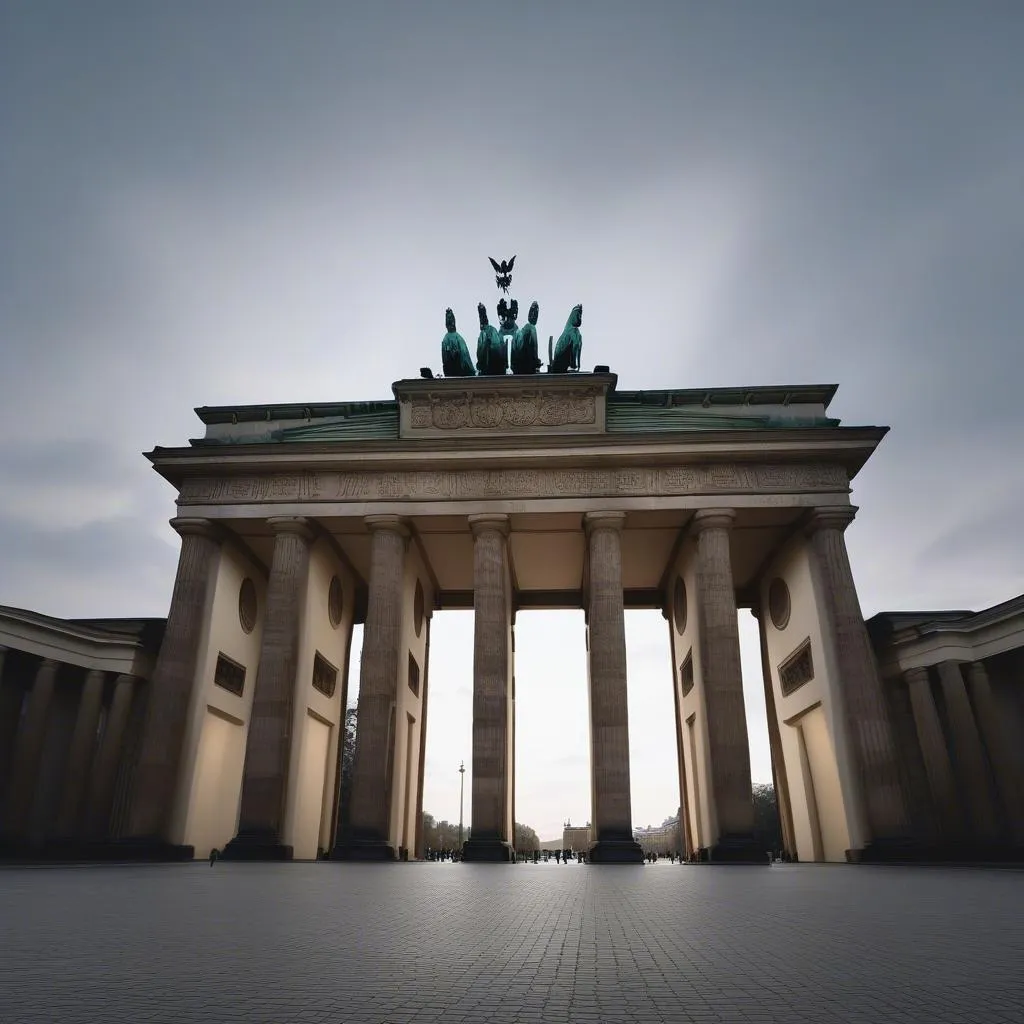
(718,636)
(1000,753)
(418,847)
(80,756)
(491,836)
(969,754)
(937,765)
(869,731)
(612,816)
(28,749)
(156,777)
(780,776)
(268,747)
(11,697)
(108,757)
(367,836)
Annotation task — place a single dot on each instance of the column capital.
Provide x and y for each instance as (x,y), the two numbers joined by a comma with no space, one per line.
(298,526)
(125,678)
(977,670)
(829,517)
(489,522)
(50,664)
(387,524)
(603,521)
(916,675)
(712,519)
(193,526)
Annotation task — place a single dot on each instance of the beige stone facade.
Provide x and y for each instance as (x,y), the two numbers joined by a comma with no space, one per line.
(297,522)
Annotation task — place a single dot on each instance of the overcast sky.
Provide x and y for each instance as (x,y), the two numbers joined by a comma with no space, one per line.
(215,203)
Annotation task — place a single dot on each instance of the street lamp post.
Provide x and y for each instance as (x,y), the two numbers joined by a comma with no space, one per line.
(462,783)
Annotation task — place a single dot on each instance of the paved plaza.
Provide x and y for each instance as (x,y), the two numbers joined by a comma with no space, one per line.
(442,942)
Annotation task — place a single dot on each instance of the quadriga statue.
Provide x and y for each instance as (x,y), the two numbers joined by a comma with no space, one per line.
(491,349)
(455,360)
(566,355)
(524,345)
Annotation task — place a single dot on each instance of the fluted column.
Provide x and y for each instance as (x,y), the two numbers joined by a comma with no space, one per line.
(108,757)
(268,747)
(80,756)
(780,775)
(937,765)
(1000,753)
(969,754)
(28,749)
(612,815)
(867,721)
(491,836)
(718,636)
(367,836)
(174,676)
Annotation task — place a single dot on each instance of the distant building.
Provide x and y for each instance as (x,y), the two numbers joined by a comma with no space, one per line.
(660,839)
(576,838)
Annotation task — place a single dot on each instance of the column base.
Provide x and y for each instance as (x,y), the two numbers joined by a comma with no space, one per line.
(256,846)
(900,851)
(70,851)
(615,851)
(488,851)
(364,850)
(733,850)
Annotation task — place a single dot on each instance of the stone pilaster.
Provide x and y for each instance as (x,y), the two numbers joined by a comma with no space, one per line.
(80,756)
(491,836)
(367,834)
(968,753)
(780,776)
(937,765)
(28,749)
(718,637)
(108,757)
(859,685)
(1000,752)
(421,776)
(268,747)
(172,685)
(612,816)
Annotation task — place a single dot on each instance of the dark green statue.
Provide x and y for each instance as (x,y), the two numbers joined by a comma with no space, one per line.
(524,345)
(455,359)
(507,313)
(491,349)
(566,355)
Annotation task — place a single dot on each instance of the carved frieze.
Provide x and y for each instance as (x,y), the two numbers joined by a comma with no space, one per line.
(797,669)
(476,484)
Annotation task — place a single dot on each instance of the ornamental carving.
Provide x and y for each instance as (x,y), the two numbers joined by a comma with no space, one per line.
(494,412)
(447,485)
(797,669)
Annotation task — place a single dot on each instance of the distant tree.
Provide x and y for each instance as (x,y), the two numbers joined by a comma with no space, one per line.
(348,758)
(767,829)
(526,840)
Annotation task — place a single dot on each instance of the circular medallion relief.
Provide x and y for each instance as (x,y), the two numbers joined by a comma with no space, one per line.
(335,602)
(417,608)
(778,603)
(679,605)
(247,605)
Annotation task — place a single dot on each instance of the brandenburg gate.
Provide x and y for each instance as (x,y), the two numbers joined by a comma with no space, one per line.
(500,493)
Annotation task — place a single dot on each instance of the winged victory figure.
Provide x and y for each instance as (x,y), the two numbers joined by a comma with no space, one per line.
(503,272)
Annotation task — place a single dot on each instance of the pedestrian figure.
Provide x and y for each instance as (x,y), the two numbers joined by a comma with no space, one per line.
(214,854)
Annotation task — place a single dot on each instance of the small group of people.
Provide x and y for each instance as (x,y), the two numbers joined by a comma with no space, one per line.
(445,854)
(653,857)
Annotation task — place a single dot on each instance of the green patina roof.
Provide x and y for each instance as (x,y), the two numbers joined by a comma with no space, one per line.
(361,426)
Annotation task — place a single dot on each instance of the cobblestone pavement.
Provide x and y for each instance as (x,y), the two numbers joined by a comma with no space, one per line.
(459,943)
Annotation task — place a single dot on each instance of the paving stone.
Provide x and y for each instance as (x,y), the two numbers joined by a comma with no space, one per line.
(416,943)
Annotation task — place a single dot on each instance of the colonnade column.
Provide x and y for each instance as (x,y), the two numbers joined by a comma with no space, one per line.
(867,721)
(170,696)
(492,834)
(108,757)
(367,835)
(937,765)
(11,698)
(1000,753)
(28,749)
(268,748)
(780,777)
(80,756)
(967,749)
(718,633)
(612,816)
